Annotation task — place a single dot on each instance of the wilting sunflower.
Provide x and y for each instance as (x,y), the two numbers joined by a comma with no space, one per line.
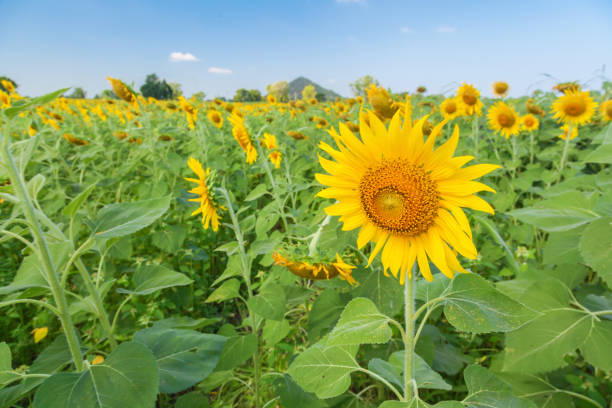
(606,110)
(530,122)
(215,118)
(533,108)
(565,129)
(504,119)
(318,270)
(121,90)
(242,137)
(206,196)
(574,106)
(75,140)
(268,141)
(451,108)
(500,88)
(405,196)
(296,135)
(381,102)
(470,99)
(275,158)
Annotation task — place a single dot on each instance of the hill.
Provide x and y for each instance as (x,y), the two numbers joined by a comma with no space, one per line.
(296,86)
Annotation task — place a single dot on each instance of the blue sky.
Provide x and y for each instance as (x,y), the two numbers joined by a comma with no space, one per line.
(46,45)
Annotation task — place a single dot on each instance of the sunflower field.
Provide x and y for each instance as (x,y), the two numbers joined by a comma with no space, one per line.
(384,251)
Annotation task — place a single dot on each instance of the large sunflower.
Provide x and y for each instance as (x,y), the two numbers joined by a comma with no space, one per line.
(470,99)
(205,192)
(574,106)
(406,197)
(504,119)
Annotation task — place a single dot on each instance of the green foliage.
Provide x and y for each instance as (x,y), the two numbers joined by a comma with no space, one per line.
(77,93)
(5,78)
(247,95)
(158,89)
(359,86)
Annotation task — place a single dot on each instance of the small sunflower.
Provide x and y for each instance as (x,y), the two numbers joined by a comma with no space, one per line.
(406,196)
(271,99)
(565,129)
(296,135)
(5,100)
(529,122)
(215,118)
(119,134)
(574,106)
(206,197)
(451,108)
(122,90)
(75,140)
(275,158)
(318,270)
(8,86)
(353,127)
(242,137)
(32,129)
(470,99)
(321,123)
(268,141)
(606,110)
(381,102)
(504,119)
(533,108)
(500,88)
(421,89)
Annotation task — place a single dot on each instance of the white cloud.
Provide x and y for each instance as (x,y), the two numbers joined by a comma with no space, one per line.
(178,56)
(406,30)
(216,70)
(446,29)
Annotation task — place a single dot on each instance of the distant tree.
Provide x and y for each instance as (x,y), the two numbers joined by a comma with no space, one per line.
(4,78)
(309,92)
(155,88)
(177,89)
(359,86)
(77,93)
(244,95)
(280,90)
(108,94)
(255,95)
(199,96)
(320,97)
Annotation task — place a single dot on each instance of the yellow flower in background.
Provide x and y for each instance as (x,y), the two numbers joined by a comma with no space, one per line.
(215,118)
(5,100)
(275,158)
(242,137)
(205,192)
(268,141)
(119,134)
(470,99)
(271,98)
(321,123)
(317,271)
(404,195)
(75,140)
(606,110)
(97,360)
(533,108)
(40,333)
(421,89)
(32,129)
(121,90)
(565,129)
(574,106)
(530,122)
(191,113)
(451,108)
(381,102)
(8,86)
(296,135)
(503,119)
(500,88)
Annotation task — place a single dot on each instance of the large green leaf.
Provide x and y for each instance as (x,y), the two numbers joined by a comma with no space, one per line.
(360,323)
(541,344)
(596,247)
(127,378)
(597,349)
(274,331)
(151,278)
(184,357)
(423,374)
(325,312)
(475,306)
(237,350)
(486,390)
(269,303)
(385,292)
(291,395)
(116,220)
(20,106)
(230,289)
(78,201)
(193,399)
(603,154)
(6,369)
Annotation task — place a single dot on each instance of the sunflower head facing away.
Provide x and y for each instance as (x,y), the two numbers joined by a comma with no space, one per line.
(204,189)
(470,99)
(421,89)
(317,270)
(504,119)
(381,102)
(574,106)
(215,118)
(532,108)
(530,123)
(606,110)
(404,195)
(500,88)
(121,90)
(242,137)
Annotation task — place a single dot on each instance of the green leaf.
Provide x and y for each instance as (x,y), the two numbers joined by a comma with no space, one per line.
(194,399)
(415,403)
(257,192)
(116,220)
(487,390)
(237,350)
(423,373)
(360,323)
(597,349)
(563,247)
(555,219)
(541,344)
(386,293)
(184,357)
(325,370)
(76,203)
(127,378)
(291,395)
(546,295)
(387,371)
(275,331)
(230,289)
(449,404)
(325,312)
(596,247)
(170,239)
(603,154)
(475,306)
(269,303)
(41,100)
(151,278)
(6,369)
(233,268)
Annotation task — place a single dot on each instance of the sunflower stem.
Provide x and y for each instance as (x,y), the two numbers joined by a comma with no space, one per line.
(409,291)
(475,135)
(312,247)
(531,143)
(565,150)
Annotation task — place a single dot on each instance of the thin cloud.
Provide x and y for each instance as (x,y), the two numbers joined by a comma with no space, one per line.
(446,29)
(178,56)
(222,71)
(406,30)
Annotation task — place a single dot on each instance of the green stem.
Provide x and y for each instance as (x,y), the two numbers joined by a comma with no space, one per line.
(312,247)
(409,292)
(266,166)
(531,143)
(45,255)
(475,135)
(565,150)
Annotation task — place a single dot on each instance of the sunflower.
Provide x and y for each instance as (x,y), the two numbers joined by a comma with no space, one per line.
(470,99)
(5,100)
(75,140)
(268,141)
(318,270)
(606,110)
(313,101)
(121,90)
(421,89)
(530,122)
(242,137)
(381,102)
(275,158)
(296,135)
(32,129)
(119,134)
(500,88)
(533,108)
(406,197)
(206,197)
(321,123)
(503,119)
(8,86)
(565,129)
(451,108)
(215,118)
(574,106)
(353,127)
(271,99)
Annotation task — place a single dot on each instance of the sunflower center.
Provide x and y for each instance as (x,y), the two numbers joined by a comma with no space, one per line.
(575,108)
(529,122)
(501,88)
(469,99)
(609,109)
(399,197)
(451,108)
(505,120)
